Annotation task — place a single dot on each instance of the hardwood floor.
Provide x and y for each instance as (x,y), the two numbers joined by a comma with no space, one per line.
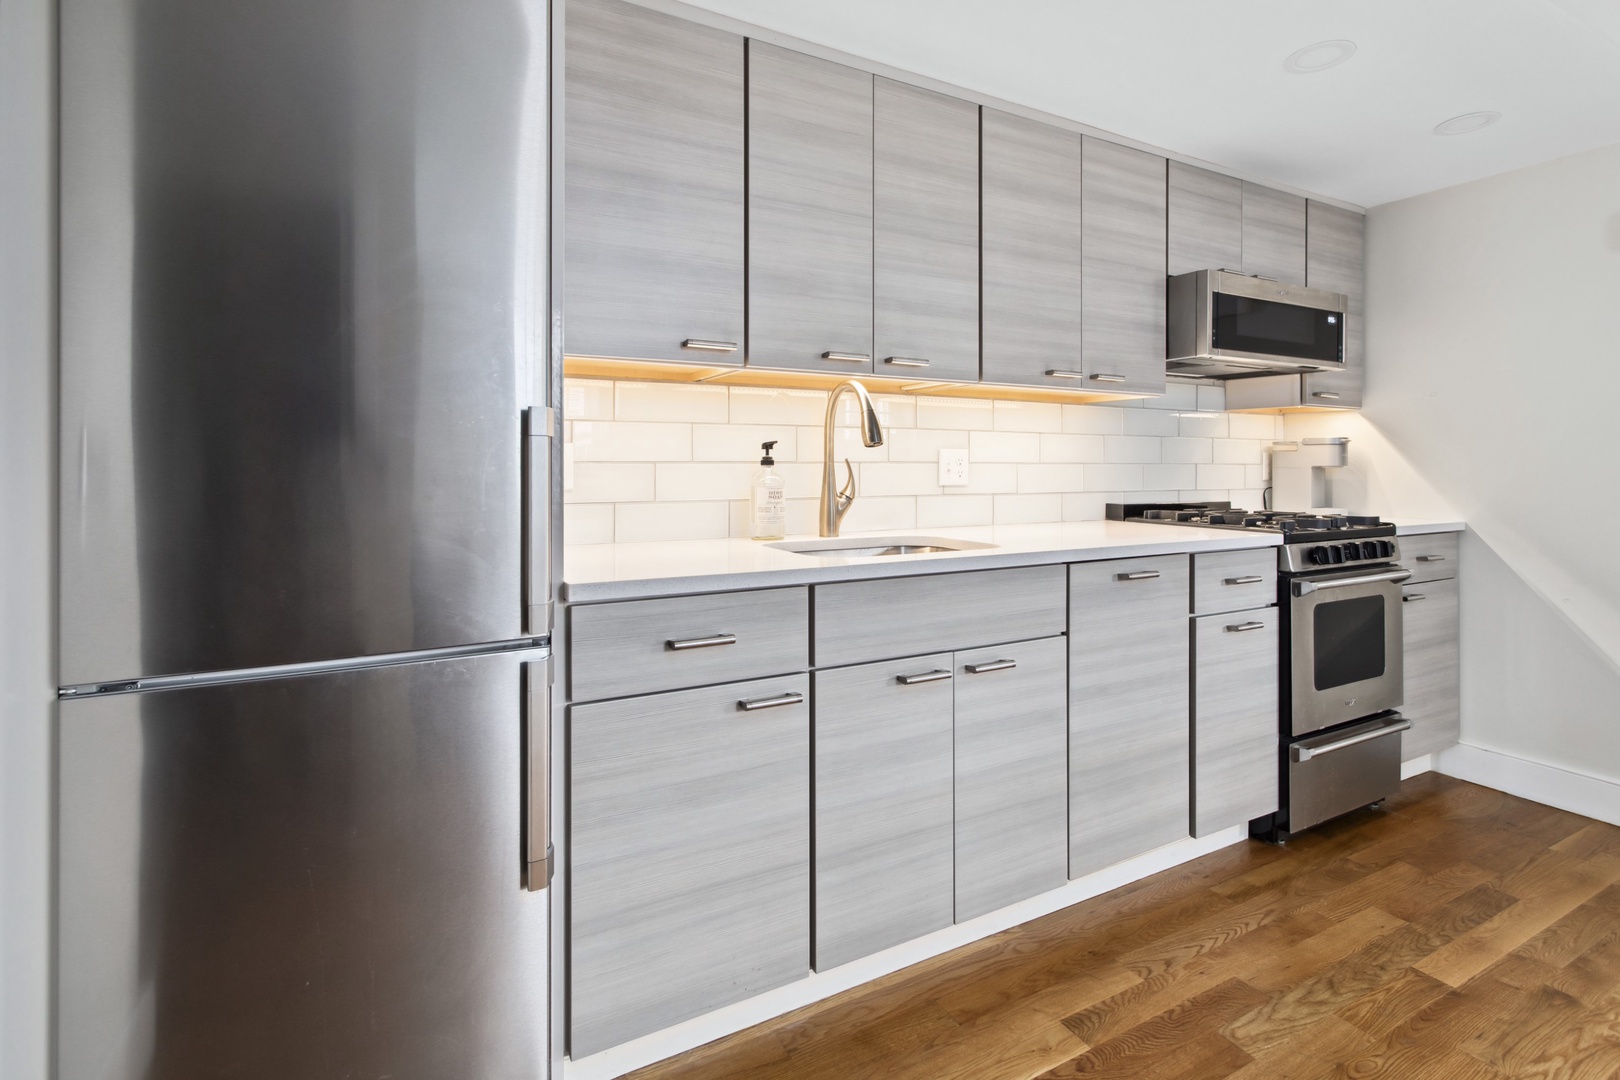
(1456,933)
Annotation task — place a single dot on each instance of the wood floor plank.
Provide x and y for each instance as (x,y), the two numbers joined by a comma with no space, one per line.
(1383,1010)
(1149,1045)
(1330,1039)
(1542,1032)
(1422,1045)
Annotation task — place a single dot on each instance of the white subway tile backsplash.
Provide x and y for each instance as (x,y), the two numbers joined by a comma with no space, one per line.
(950,511)
(1027,509)
(1212,399)
(1187,450)
(1238,451)
(968,414)
(609,440)
(1088,505)
(690,481)
(1220,476)
(895,411)
(1092,420)
(1252,426)
(898,478)
(588,523)
(923,444)
(1035,479)
(587,399)
(1170,476)
(1113,477)
(801,517)
(1005,446)
(1155,422)
(768,405)
(989,478)
(1247,498)
(1201,495)
(611,482)
(1254,476)
(1118,449)
(689,402)
(1177,397)
(1076,448)
(1028,416)
(895,512)
(741,442)
(635,523)
(1204,425)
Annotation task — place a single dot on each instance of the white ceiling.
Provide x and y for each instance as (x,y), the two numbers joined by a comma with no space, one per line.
(1206,77)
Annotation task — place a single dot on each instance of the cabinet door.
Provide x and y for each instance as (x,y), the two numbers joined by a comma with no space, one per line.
(809,213)
(1333,260)
(1032,232)
(925,234)
(1235,729)
(1273,234)
(1011,774)
(690,855)
(1122,252)
(1128,695)
(1430,631)
(654,186)
(1204,217)
(883,791)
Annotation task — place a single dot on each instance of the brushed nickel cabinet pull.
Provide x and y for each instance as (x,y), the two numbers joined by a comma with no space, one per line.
(1409,597)
(1140,575)
(1250,579)
(1325,395)
(847,357)
(709,346)
(924,676)
(682,644)
(792,697)
(1240,628)
(906,361)
(1431,558)
(1059,373)
(1109,378)
(991,665)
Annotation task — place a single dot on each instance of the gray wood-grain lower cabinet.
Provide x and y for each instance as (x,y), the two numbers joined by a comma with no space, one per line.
(1204,220)
(689,860)
(1128,732)
(1431,633)
(809,212)
(1234,722)
(1032,232)
(1333,261)
(653,186)
(883,805)
(1123,259)
(1273,234)
(1011,774)
(925,234)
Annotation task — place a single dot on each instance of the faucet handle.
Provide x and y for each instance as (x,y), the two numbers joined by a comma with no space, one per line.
(846,494)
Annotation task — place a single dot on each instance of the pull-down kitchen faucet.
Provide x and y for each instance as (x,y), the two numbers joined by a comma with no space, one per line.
(834,503)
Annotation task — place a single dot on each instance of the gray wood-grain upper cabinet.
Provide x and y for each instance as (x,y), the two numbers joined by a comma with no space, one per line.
(809,212)
(1123,260)
(1011,774)
(1273,234)
(1128,730)
(1431,632)
(1234,723)
(925,234)
(1204,219)
(1333,261)
(883,805)
(689,858)
(653,186)
(1032,232)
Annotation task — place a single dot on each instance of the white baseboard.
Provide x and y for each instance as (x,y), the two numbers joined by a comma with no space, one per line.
(824,984)
(1579,793)
(1420,764)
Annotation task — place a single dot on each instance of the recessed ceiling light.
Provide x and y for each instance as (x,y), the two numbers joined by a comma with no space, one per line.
(1468,121)
(1320,56)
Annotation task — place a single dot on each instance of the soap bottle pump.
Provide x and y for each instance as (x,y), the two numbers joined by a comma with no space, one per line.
(767,504)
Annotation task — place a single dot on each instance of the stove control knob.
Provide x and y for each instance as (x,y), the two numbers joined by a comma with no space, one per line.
(1318,555)
(1352,551)
(1386,549)
(1369,549)
(1335,554)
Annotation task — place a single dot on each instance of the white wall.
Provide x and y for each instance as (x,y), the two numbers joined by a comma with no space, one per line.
(1493,339)
(27,379)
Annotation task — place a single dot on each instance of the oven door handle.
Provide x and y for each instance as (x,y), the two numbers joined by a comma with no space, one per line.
(1305,753)
(1305,588)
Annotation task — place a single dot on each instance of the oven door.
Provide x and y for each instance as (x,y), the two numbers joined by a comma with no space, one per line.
(1345,646)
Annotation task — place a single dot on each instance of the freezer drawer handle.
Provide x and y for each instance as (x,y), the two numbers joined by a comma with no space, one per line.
(792,697)
(1249,579)
(1139,575)
(925,676)
(1245,627)
(1305,753)
(682,644)
(709,346)
(991,665)
(1409,597)
(1305,588)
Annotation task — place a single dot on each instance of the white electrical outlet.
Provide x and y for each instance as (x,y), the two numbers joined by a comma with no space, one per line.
(953,468)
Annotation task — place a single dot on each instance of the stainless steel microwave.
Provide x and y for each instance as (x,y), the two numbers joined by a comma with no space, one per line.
(1227,325)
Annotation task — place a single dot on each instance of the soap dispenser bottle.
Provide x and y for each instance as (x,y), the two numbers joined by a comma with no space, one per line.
(767,503)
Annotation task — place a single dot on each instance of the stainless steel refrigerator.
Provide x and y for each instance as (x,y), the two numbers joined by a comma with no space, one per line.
(306,509)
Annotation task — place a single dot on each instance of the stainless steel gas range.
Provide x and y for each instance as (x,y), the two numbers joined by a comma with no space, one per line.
(1339,594)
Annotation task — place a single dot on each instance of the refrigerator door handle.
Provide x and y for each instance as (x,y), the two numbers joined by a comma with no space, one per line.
(537,446)
(537,776)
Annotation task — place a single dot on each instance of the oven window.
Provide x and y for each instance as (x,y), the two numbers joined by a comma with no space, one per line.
(1269,328)
(1349,641)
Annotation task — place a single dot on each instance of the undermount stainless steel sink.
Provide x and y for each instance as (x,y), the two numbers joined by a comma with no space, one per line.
(863,547)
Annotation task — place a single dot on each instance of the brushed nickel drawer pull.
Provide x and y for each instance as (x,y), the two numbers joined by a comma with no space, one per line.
(1239,628)
(1325,395)
(1248,579)
(1059,373)
(1431,558)
(991,665)
(792,697)
(709,346)
(924,676)
(1139,575)
(848,357)
(1409,597)
(1109,378)
(906,361)
(682,644)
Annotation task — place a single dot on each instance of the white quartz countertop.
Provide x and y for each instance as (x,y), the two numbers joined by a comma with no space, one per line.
(596,572)
(1418,528)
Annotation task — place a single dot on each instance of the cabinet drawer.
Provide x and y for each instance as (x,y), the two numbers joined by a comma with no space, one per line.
(643,646)
(1235,726)
(1431,557)
(689,859)
(1431,668)
(871,620)
(1234,580)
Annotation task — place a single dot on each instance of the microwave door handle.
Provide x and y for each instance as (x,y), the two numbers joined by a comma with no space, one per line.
(1305,588)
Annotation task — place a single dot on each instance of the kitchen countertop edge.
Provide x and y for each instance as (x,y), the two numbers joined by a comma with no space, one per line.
(1423,528)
